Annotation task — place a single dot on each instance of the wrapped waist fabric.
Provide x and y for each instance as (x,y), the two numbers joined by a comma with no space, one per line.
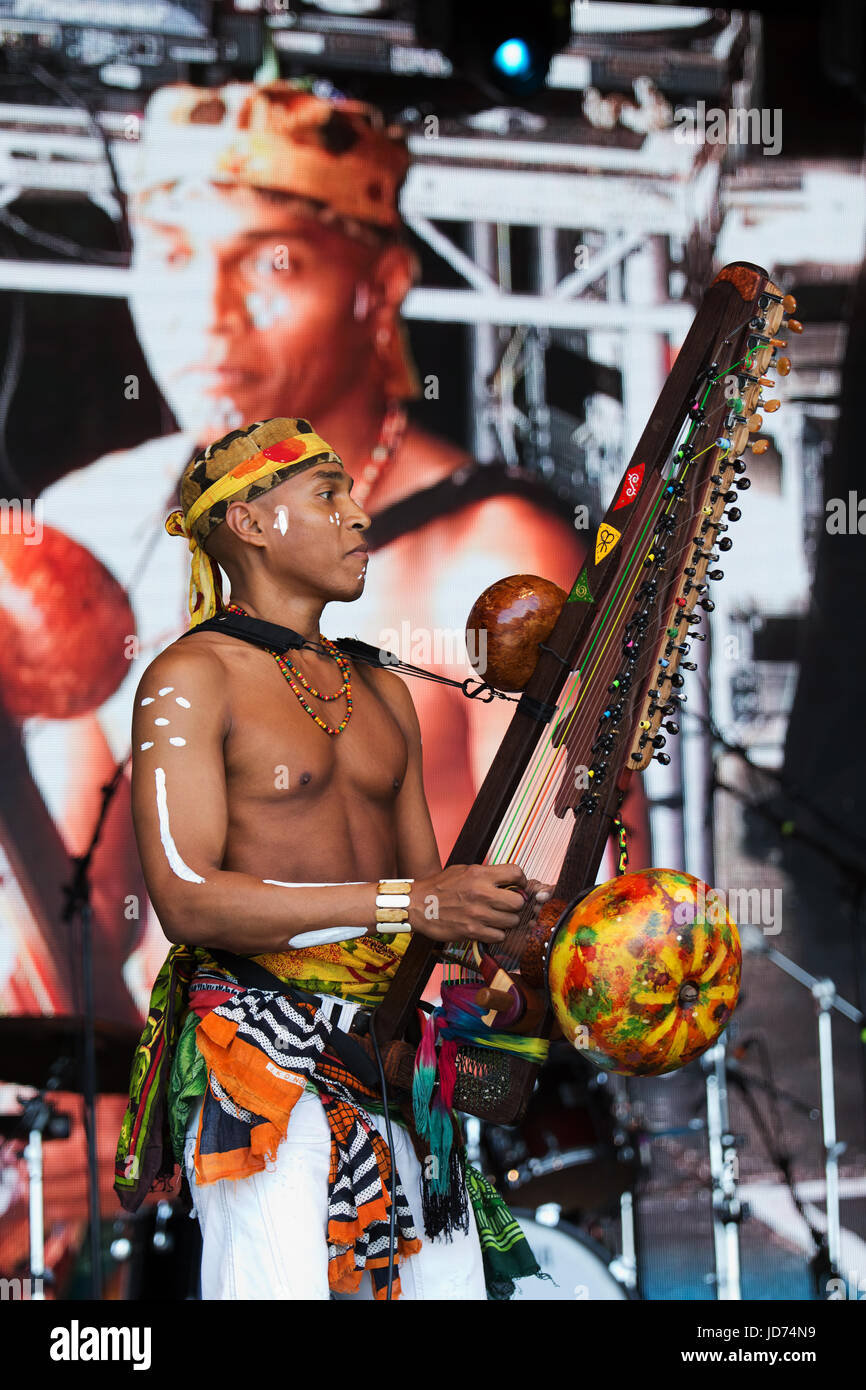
(251,1052)
(359,970)
(261,1050)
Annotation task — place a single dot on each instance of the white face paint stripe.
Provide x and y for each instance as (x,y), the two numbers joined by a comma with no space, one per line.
(325,937)
(171,851)
(179,700)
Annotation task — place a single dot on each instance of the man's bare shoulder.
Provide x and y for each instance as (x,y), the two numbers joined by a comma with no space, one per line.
(194,662)
(396,694)
(513,523)
(422,460)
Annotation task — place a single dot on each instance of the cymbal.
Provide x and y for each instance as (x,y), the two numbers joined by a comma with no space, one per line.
(34,1048)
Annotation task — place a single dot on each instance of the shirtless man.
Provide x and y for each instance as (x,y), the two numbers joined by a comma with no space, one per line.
(243,805)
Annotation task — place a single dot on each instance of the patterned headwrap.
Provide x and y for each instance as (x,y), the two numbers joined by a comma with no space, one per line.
(238,468)
(336,155)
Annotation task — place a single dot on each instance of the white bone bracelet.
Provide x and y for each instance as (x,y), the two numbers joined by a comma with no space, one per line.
(392,904)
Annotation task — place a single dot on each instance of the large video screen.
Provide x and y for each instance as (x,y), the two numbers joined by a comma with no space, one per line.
(477,310)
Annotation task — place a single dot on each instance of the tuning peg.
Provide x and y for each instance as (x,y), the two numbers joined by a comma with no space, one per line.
(771,406)
(789,304)
(759,446)
(725,543)
(689,666)
(794,326)
(663,758)
(659,741)
(739,465)
(783,366)
(778,342)
(707,605)
(755,422)
(743,484)
(733,513)
(765,381)
(671,726)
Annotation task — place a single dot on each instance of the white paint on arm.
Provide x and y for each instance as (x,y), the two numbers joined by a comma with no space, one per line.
(328,934)
(171,851)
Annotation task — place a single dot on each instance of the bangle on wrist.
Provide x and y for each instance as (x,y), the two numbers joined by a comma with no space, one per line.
(392,904)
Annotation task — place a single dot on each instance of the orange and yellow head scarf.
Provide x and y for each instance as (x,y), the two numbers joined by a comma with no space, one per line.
(239,467)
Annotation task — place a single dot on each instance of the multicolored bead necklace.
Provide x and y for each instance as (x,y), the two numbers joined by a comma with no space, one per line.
(289,670)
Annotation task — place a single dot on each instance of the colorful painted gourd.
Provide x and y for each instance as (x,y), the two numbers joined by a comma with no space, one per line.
(644,973)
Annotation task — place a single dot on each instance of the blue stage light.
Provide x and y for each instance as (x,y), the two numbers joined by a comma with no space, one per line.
(513,58)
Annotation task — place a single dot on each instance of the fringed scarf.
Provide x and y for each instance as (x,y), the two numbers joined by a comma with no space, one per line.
(458,1019)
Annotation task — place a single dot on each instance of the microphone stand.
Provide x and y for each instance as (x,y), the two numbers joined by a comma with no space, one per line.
(826,999)
(78,910)
(852,869)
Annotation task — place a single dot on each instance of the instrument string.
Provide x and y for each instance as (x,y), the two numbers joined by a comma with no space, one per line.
(542,839)
(509,839)
(534,832)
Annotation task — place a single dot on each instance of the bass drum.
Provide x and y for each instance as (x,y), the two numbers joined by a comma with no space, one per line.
(579,1267)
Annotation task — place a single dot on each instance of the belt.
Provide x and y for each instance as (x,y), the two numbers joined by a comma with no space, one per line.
(351,1053)
(348,1017)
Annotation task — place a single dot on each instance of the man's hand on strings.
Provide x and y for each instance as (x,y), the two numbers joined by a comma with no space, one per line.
(476,902)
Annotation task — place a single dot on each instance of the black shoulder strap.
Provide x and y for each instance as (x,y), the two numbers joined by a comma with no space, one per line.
(474,483)
(272,637)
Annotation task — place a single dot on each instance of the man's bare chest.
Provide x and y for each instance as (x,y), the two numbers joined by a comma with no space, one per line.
(275,752)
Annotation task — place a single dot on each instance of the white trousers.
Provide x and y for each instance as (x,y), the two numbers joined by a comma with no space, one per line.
(265,1236)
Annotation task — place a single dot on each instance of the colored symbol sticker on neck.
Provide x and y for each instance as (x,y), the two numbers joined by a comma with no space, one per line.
(630,488)
(580,593)
(605,541)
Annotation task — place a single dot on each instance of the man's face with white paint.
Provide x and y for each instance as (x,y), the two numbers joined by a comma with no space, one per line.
(307,528)
(246,306)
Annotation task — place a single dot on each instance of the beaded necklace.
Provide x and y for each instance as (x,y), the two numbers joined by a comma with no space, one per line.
(289,670)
